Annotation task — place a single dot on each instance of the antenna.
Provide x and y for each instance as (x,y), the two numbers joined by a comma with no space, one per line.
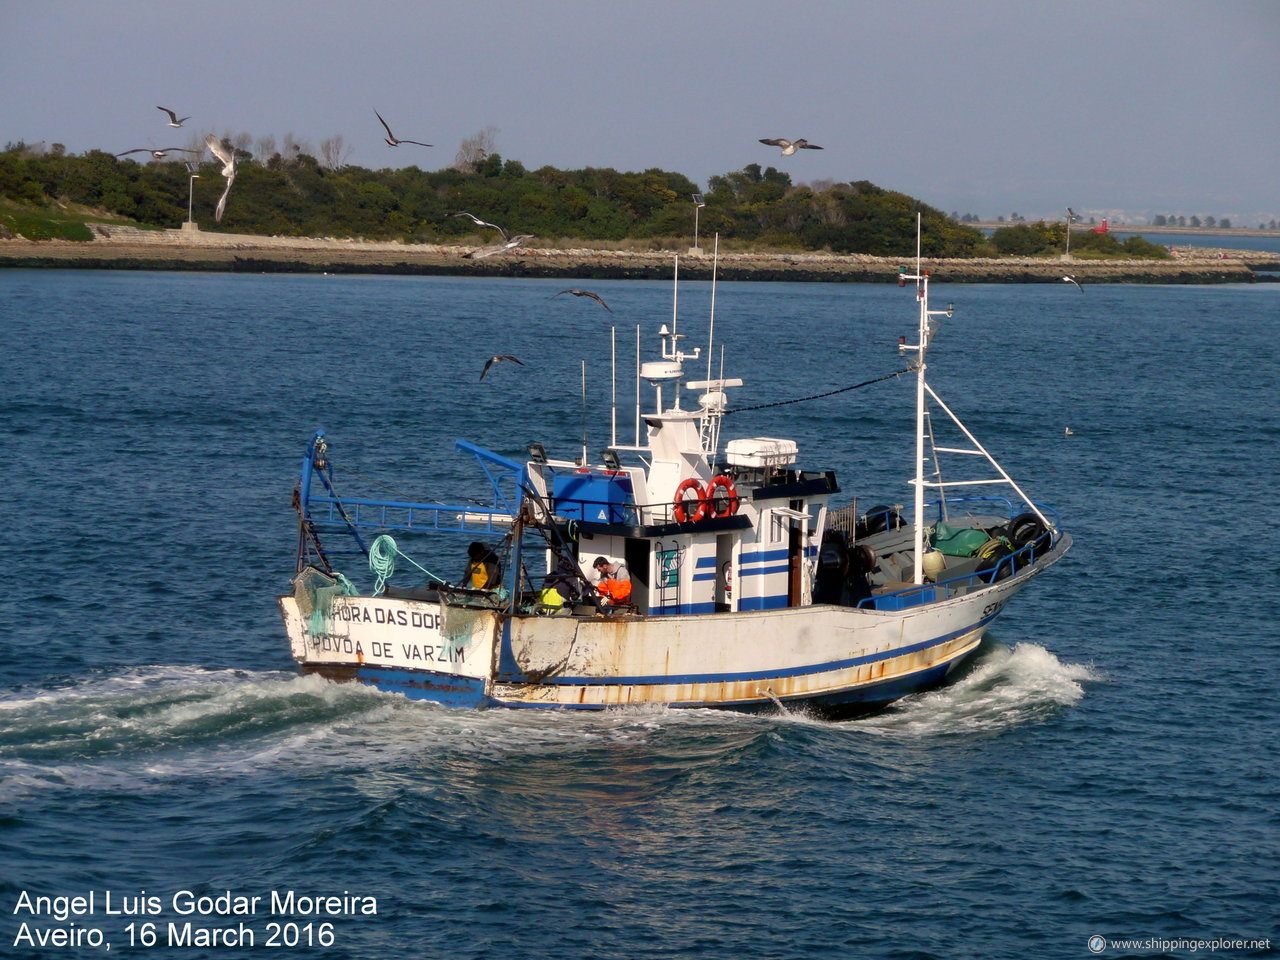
(711,334)
(637,440)
(584,413)
(613,386)
(919,220)
(675,293)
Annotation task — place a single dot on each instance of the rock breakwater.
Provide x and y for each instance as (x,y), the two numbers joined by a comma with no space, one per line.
(129,248)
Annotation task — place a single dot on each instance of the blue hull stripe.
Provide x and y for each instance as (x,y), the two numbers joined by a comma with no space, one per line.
(865,696)
(888,690)
(418,685)
(766,674)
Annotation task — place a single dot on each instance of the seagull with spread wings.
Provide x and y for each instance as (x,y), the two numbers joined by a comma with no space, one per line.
(791,146)
(479,253)
(1075,281)
(392,139)
(585,293)
(498,359)
(158,154)
(508,242)
(174,121)
(228,157)
(479,222)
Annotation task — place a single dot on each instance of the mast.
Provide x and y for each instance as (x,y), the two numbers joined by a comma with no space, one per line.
(921,347)
(923,390)
(922,297)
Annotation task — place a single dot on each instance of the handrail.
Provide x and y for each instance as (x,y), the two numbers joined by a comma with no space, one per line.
(987,577)
(1009,505)
(353,513)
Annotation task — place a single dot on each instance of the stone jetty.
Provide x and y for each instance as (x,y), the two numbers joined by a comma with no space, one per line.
(132,248)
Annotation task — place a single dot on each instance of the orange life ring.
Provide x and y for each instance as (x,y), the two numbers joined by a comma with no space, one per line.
(681,504)
(729,498)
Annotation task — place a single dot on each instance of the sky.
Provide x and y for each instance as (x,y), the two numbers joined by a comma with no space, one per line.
(1120,108)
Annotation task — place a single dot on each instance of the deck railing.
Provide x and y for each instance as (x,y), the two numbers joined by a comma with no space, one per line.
(919,593)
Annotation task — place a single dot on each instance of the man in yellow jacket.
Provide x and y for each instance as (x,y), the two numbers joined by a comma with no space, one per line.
(484,570)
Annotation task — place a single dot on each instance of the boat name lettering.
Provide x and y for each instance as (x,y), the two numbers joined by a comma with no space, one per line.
(437,653)
(991,608)
(350,613)
(332,644)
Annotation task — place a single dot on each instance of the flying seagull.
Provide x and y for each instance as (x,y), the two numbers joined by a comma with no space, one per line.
(791,146)
(586,293)
(1075,281)
(173,117)
(479,253)
(391,138)
(228,158)
(1068,432)
(158,154)
(492,360)
(508,242)
(478,221)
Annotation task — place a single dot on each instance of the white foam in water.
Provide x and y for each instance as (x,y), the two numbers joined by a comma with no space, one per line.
(150,724)
(1007,686)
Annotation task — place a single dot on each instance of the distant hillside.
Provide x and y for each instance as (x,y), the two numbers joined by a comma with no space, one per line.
(750,208)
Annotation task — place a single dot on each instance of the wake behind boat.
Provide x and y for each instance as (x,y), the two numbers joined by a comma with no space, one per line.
(736,581)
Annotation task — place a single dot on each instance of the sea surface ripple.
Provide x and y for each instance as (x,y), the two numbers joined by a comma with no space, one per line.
(1104,768)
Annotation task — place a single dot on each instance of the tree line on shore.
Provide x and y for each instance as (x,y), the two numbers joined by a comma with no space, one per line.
(752,208)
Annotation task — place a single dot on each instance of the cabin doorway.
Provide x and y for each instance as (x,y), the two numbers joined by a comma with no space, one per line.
(636,557)
(725,563)
(795,564)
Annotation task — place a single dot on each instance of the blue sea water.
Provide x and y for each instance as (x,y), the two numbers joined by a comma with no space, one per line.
(1106,769)
(1230,241)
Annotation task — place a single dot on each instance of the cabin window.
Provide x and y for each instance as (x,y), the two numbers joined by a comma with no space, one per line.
(778,527)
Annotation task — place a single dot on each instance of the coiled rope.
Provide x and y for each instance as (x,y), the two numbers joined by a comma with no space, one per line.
(382,562)
(818,396)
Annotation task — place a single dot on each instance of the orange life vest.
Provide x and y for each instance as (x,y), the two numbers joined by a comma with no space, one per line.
(615,591)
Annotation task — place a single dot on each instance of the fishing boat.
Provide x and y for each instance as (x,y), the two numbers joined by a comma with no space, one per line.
(751,587)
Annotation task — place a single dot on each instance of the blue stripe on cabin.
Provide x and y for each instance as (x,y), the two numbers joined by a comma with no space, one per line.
(764,571)
(763,603)
(762,556)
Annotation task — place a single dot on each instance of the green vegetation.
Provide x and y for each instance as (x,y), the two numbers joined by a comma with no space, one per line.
(1047,239)
(38,223)
(751,209)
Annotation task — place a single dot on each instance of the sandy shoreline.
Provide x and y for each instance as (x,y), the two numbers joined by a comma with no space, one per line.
(126,248)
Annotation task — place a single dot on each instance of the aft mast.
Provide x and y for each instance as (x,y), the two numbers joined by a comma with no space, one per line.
(921,348)
(923,392)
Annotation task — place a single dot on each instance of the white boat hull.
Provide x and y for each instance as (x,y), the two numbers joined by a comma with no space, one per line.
(838,659)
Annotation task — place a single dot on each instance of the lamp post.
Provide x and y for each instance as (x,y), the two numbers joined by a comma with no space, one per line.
(191,195)
(1071,218)
(698,204)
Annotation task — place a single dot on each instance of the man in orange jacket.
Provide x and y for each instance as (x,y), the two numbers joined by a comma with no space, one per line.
(614,584)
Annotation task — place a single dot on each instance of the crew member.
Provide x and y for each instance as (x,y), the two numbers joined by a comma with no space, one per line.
(561,586)
(484,570)
(614,584)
